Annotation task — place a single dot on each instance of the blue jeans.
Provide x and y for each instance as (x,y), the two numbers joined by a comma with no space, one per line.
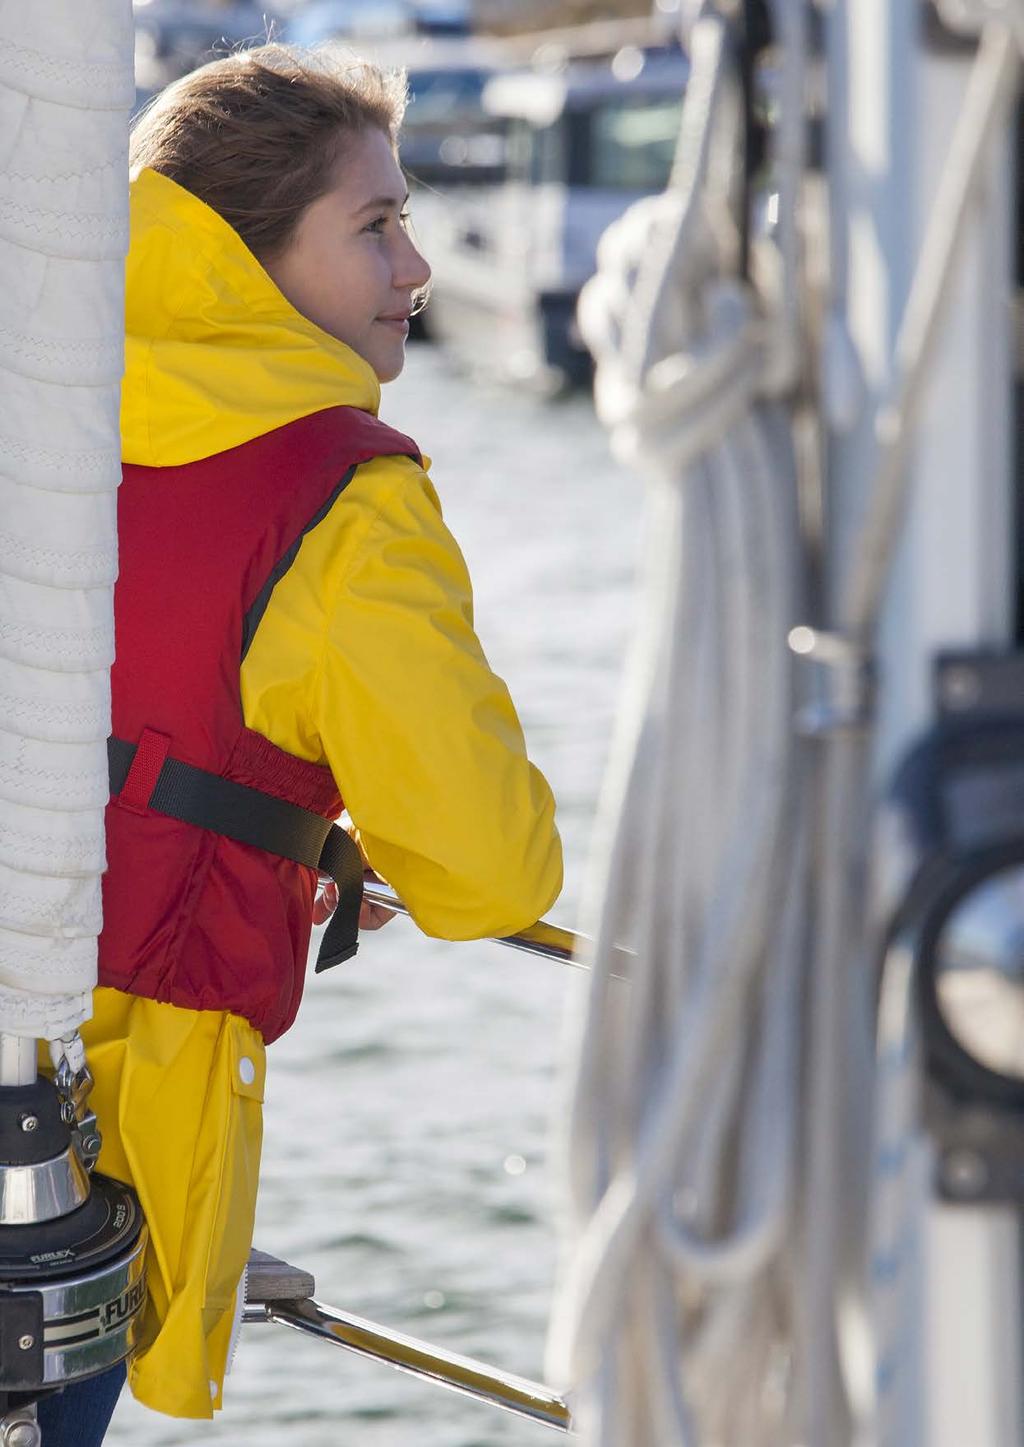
(80,1415)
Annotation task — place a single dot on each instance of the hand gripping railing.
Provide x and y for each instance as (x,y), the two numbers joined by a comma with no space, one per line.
(550,940)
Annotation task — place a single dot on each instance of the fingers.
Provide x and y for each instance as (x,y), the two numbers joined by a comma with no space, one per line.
(374,916)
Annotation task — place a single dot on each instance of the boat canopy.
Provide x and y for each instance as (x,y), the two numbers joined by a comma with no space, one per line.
(540,97)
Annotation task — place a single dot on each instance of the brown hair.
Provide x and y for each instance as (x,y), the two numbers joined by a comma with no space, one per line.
(256,134)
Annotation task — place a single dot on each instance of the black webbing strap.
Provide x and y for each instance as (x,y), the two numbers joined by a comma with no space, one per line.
(250,816)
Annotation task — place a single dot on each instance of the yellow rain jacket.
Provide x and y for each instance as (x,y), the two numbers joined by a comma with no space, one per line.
(365,661)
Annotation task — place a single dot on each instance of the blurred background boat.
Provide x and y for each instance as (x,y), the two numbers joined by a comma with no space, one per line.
(509,256)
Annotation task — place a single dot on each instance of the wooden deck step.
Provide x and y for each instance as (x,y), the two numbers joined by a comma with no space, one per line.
(269,1279)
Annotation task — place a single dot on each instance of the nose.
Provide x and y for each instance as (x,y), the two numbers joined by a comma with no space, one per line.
(411,270)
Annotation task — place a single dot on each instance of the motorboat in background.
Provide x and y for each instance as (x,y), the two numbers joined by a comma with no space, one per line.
(173,37)
(448,138)
(520,150)
(356,20)
(581,144)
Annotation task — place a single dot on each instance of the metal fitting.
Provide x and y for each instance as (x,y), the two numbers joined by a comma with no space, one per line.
(88,1141)
(73,1088)
(965,1172)
(25,1432)
(836,685)
(91,1146)
(960,686)
(28,1122)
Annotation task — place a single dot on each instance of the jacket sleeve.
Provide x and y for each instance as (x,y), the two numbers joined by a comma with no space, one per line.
(422,737)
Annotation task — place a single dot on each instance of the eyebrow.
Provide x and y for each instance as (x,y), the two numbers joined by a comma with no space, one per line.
(382,202)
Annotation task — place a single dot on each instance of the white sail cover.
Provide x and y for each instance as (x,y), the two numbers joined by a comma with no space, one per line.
(66,89)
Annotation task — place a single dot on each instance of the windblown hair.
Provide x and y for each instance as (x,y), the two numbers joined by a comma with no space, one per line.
(256,135)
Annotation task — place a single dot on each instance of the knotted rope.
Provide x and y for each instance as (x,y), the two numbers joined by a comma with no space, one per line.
(678,1295)
(715,1270)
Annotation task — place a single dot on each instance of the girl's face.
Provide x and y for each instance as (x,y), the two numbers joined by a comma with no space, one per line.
(351,266)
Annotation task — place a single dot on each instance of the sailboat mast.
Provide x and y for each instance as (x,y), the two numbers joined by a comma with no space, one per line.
(66,90)
(898,81)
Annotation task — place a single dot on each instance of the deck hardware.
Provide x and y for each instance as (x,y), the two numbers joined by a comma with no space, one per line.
(20,1429)
(71,1249)
(551,941)
(964,1172)
(957,805)
(277,1292)
(835,682)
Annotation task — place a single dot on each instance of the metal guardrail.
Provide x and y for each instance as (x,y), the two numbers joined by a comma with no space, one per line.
(417,1358)
(277,1292)
(551,941)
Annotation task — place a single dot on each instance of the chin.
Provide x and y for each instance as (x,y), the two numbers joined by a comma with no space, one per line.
(388,370)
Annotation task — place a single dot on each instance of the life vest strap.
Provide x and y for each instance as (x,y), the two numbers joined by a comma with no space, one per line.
(250,816)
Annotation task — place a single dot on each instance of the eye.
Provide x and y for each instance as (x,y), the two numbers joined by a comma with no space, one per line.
(377,225)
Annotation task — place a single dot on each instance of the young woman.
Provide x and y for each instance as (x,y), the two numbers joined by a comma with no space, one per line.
(294,630)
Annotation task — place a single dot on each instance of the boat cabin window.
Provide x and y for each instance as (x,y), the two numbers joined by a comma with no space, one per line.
(435,94)
(625,144)
(622,144)
(536,154)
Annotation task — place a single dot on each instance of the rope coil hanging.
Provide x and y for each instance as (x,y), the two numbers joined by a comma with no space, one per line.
(718,1274)
(683,1120)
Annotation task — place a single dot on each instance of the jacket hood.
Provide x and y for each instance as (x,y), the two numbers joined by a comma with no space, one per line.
(214,354)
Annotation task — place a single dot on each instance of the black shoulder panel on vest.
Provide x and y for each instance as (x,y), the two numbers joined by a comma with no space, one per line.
(254,616)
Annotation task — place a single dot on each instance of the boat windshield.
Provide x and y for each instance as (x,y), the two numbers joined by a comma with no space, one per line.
(436,94)
(628,144)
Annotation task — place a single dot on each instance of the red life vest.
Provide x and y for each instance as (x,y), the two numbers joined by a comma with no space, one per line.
(191,916)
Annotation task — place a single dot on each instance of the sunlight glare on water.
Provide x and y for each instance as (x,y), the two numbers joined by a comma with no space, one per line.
(407,1155)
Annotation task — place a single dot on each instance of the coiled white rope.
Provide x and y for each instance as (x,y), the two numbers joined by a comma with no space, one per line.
(677,1307)
(66,87)
(694,1308)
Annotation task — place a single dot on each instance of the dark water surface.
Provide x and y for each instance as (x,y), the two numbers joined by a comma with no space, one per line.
(408,1160)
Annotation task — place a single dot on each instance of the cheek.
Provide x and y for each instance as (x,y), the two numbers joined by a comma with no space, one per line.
(344,295)
(341,286)
(357,275)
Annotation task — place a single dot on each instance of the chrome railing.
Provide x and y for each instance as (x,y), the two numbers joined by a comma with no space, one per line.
(416,1358)
(408,1354)
(550,940)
